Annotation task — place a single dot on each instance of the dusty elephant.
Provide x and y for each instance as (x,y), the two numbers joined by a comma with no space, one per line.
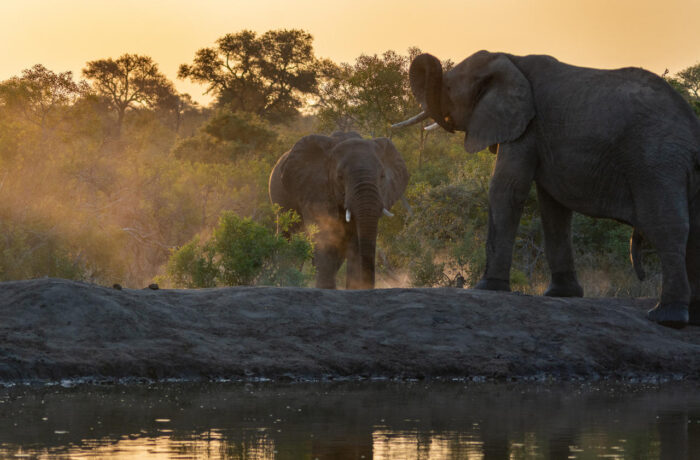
(341,183)
(620,144)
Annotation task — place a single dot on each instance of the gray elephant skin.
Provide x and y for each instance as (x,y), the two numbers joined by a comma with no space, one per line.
(342,184)
(618,144)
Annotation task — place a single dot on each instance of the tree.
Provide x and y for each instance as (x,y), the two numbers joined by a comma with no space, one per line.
(175,107)
(687,83)
(369,95)
(269,75)
(129,81)
(227,136)
(335,98)
(39,93)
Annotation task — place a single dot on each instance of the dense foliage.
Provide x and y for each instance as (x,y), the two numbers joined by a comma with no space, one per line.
(121,179)
(241,252)
(268,75)
(128,81)
(687,83)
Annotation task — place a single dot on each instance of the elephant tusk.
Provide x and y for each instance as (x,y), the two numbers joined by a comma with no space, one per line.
(347,215)
(431,127)
(387,213)
(411,121)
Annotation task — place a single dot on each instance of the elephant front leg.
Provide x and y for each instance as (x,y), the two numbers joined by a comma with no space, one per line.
(327,258)
(354,265)
(556,224)
(508,191)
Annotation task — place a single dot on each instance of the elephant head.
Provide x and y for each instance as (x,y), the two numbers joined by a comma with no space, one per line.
(486,96)
(346,183)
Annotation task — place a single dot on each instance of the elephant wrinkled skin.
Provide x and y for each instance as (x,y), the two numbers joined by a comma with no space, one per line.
(620,144)
(342,184)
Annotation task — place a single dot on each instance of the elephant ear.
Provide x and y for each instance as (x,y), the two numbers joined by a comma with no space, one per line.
(503,108)
(305,171)
(395,172)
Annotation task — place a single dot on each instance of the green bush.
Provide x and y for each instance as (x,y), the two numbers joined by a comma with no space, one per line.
(193,266)
(446,234)
(32,250)
(241,252)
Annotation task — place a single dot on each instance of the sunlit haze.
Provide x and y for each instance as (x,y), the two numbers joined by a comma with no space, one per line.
(598,33)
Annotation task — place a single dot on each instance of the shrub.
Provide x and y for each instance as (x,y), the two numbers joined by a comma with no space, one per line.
(241,252)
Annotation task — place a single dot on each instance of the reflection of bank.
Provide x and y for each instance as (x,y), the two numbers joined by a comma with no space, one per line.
(677,437)
(388,444)
(679,434)
(210,444)
(348,421)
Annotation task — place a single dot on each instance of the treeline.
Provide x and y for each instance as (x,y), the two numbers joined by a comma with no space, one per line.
(115,177)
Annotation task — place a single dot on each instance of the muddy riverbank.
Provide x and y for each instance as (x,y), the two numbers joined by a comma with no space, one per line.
(54,329)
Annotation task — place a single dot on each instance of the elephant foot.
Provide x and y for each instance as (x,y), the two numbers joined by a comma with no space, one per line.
(491,284)
(694,313)
(564,285)
(674,314)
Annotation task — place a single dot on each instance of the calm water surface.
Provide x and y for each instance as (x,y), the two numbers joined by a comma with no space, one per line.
(349,421)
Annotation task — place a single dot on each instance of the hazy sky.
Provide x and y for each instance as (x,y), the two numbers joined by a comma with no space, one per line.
(64,34)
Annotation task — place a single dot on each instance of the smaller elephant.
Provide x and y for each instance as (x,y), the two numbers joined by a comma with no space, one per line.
(342,184)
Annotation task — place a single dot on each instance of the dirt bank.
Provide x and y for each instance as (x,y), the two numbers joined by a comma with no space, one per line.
(54,329)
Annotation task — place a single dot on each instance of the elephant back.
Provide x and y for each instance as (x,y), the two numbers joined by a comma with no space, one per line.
(341,136)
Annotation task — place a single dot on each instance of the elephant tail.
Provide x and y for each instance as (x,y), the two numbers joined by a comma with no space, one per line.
(636,254)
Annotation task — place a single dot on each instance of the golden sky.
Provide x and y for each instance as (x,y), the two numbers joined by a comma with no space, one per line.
(64,34)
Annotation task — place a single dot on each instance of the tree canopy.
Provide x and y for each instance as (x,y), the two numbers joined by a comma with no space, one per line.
(687,82)
(129,81)
(39,93)
(269,75)
(368,95)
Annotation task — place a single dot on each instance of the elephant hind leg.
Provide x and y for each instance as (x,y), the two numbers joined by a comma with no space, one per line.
(556,224)
(670,242)
(692,261)
(662,216)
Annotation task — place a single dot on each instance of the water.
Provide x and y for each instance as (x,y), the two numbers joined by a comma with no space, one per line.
(348,421)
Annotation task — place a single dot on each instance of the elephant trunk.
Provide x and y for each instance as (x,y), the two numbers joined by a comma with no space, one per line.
(367,236)
(367,208)
(425,76)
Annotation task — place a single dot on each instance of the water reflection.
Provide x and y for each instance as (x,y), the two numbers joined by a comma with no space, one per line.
(388,444)
(352,421)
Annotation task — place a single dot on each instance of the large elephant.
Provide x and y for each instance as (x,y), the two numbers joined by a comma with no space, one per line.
(620,144)
(343,184)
